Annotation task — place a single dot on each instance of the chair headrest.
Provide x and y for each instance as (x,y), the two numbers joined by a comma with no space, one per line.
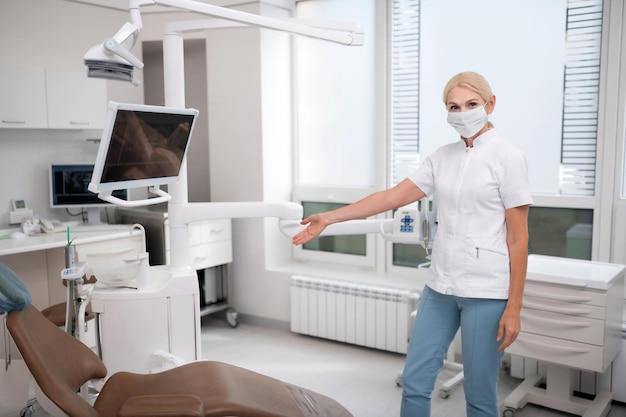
(13,293)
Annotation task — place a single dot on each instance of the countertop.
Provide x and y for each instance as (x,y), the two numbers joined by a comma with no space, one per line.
(78,233)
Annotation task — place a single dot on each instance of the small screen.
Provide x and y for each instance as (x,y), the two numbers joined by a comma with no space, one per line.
(146,145)
(141,146)
(68,186)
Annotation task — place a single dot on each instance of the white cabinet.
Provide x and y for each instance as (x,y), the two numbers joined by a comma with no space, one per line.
(210,243)
(38,98)
(569,326)
(571,319)
(23,98)
(75,101)
(135,323)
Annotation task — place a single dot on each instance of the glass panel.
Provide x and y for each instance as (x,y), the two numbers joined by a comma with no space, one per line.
(335,100)
(409,255)
(564,232)
(347,244)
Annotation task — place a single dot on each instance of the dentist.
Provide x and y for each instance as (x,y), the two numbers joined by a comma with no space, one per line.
(479,257)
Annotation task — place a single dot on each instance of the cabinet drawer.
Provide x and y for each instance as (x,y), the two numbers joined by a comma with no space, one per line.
(560,307)
(211,254)
(563,326)
(564,293)
(562,352)
(207,231)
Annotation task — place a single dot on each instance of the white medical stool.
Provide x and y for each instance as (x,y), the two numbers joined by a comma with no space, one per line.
(448,363)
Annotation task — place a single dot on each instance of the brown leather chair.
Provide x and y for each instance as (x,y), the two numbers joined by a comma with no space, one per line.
(61,364)
(56,314)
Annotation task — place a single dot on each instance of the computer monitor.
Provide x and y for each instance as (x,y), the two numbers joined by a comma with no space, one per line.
(141,146)
(69,189)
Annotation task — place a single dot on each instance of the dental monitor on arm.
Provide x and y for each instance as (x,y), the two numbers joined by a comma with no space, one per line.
(112,59)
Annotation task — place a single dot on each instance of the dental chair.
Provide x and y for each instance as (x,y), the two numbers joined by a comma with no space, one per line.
(61,364)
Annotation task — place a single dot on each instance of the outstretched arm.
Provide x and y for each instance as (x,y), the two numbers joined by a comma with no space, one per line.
(402,194)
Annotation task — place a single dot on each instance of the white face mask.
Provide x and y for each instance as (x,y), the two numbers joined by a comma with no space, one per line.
(468,123)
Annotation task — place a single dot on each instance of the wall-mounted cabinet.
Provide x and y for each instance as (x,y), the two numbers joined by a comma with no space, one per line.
(23,98)
(41,98)
(75,101)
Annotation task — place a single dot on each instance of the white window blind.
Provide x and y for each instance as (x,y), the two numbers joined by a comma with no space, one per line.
(580,94)
(404,89)
(580,99)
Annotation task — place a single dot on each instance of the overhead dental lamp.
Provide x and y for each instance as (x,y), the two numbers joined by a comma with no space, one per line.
(113,60)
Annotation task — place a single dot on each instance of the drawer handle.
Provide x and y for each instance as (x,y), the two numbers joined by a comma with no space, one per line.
(551,347)
(563,310)
(568,298)
(199,258)
(218,230)
(574,323)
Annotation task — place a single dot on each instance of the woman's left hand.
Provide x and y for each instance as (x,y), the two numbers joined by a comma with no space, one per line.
(508,328)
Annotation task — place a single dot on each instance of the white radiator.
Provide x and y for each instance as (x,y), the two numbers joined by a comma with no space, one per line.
(366,315)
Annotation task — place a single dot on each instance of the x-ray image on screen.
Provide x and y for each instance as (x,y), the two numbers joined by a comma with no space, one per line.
(146,145)
(141,146)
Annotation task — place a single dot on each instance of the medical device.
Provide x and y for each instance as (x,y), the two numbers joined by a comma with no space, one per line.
(69,189)
(113,60)
(414,224)
(141,146)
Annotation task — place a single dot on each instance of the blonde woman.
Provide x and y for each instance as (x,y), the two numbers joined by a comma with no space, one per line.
(479,258)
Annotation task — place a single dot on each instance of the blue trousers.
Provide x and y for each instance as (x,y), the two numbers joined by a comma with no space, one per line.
(438,319)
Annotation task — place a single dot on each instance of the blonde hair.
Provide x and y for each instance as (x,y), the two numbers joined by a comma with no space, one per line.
(472,81)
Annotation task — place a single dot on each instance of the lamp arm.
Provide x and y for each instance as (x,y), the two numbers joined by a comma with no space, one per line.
(339,32)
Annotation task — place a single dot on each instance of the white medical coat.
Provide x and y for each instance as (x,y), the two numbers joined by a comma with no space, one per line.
(472,187)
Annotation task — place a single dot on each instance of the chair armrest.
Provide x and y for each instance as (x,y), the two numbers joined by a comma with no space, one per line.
(162,406)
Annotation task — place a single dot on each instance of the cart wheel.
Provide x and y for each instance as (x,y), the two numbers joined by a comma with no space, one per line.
(443,394)
(508,412)
(27,411)
(231,317)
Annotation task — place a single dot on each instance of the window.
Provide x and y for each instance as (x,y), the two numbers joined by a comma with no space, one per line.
(336,126)
(537,104)
(347,244)
(546,81)
(563,232)
(356,250)
(335,101)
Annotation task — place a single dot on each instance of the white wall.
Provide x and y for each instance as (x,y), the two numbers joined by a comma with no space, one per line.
(249,114)
(247,69)
(49,34)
